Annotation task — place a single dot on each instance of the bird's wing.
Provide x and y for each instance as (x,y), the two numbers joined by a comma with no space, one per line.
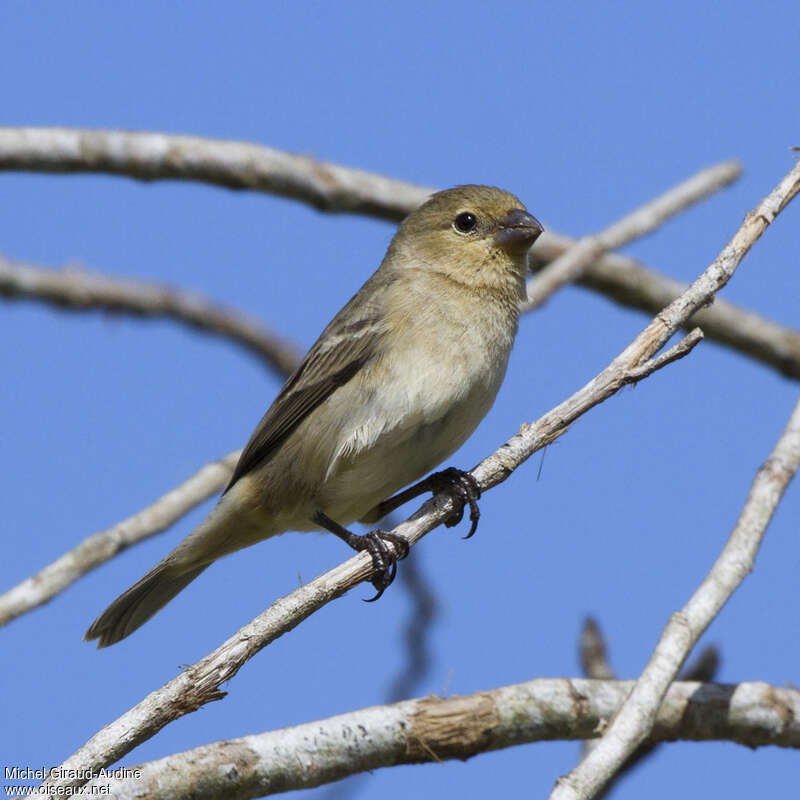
(346,345)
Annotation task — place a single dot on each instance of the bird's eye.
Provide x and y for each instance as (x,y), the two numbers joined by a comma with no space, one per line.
(465,222)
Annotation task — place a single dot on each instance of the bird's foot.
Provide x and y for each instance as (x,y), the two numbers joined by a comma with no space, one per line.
(464,489)
(384,561)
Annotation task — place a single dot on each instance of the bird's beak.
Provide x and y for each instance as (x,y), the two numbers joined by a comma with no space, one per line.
(517,230)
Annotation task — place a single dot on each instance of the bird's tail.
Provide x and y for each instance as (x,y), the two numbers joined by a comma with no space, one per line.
(134,607)
(232,524)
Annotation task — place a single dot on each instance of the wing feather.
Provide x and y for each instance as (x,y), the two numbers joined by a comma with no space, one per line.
(341,351)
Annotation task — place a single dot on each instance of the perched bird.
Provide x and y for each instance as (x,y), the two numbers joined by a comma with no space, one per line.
(393,386)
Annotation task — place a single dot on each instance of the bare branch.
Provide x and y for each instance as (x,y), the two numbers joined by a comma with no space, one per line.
(235,165)
(335,188)
(636,717)
(433,729)
(98,548)
(676,352)
(595,665)
(80,290)
(200,683)
(627,282)
(574,262)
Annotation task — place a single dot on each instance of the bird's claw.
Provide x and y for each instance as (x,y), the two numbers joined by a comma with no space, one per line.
(464,489)
(384,562)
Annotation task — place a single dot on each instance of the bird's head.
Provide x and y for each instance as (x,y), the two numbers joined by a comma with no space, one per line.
(476,235)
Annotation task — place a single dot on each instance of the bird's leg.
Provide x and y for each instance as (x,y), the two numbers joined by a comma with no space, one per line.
(384,563)
(463,489)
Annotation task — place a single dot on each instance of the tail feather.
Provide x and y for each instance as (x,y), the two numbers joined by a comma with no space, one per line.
(232,524)
(134,607)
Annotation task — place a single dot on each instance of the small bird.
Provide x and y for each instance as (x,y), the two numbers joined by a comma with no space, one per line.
(394,385)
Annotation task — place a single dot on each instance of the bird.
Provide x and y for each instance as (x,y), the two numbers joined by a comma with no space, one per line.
(394,385)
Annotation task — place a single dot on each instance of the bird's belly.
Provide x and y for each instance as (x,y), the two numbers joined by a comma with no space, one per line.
(399,454)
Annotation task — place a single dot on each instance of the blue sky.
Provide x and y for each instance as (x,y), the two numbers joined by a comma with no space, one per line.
(584,111)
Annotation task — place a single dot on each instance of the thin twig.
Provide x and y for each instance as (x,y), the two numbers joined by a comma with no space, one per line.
(635,720)
(674,353)
(629,283)
(574,262)
(81,290)
(335,188)
(434,730)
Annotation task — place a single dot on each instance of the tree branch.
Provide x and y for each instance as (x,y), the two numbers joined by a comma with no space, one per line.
(335,188)
(573,262)
(235,165)
(434,729)
(595,665)
(81,290)
(632,285)
(636,717)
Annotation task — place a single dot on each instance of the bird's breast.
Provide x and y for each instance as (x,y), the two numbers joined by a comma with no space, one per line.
(411,409)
